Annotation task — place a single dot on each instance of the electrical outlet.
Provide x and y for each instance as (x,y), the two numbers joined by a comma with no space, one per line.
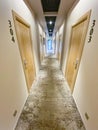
(86,116)
(15,113)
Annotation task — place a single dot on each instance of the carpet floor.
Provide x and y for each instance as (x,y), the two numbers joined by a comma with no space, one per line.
(50,105)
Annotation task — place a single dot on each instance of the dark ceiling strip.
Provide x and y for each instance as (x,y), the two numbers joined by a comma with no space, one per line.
(50,27)
(50,5)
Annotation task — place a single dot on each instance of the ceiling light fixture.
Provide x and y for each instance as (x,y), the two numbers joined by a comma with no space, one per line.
(50,22)
(50,30)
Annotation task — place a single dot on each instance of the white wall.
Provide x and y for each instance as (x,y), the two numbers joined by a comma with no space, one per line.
(86,86)
(59,42)
(13,89)
(41,45)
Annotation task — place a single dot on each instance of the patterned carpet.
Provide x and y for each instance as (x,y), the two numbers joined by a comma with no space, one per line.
(50,105)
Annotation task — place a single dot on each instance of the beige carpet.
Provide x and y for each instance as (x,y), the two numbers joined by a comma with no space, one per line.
(50,105)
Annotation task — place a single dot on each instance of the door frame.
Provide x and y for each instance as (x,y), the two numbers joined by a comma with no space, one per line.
(81,19)
(17,17)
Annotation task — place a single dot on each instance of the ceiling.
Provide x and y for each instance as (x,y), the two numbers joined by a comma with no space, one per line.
(51,13)
(50,5)
(50,21)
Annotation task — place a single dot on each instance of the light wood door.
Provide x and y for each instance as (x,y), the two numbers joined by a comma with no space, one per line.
(41,48)
(59,48)
(25,47)
(77,40)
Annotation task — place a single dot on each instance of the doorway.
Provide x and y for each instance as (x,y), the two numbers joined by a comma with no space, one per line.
(77,40)
(25,47)
(50,46)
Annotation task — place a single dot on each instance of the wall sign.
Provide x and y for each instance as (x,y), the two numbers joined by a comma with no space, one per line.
(91,31)
(11,31)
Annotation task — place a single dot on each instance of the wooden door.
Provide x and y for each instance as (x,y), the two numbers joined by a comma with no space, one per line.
(25,47)
(77,40)
(59,48)
(41,48)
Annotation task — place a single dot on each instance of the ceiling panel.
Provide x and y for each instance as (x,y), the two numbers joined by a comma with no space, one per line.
(50,5)
(50,21)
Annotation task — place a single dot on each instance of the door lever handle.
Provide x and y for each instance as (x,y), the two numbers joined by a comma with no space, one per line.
(76,63)
(25,63)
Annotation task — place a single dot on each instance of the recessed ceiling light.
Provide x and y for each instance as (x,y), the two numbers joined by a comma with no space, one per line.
(50,22)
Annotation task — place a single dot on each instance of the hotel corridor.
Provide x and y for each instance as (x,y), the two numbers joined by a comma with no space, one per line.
(50,105)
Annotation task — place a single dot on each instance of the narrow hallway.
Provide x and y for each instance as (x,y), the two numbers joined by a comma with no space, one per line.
(50,105)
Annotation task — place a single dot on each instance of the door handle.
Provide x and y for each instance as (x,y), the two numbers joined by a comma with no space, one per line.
(25,63)
(76,63)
